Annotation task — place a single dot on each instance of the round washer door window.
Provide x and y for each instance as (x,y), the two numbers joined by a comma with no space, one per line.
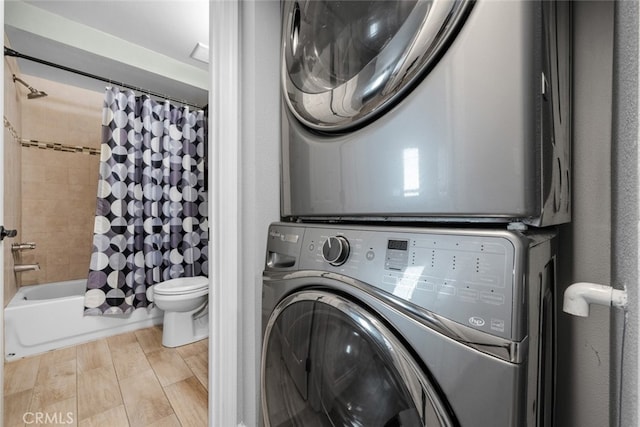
(344,62)
(328,362)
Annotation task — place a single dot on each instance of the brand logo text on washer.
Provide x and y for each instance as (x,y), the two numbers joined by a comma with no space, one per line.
(476,321)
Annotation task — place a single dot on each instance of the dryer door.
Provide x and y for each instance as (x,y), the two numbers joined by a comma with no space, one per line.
(328,362)
(344,62)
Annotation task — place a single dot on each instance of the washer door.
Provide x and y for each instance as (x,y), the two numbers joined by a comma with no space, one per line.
(328,362)
(344,62)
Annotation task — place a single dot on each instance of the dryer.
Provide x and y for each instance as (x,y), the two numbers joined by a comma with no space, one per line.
(443,110)
(389,326)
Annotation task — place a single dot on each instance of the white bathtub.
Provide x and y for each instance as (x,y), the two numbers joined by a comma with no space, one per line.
(45,317)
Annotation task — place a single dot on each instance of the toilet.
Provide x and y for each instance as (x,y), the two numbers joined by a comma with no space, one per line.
(186,310)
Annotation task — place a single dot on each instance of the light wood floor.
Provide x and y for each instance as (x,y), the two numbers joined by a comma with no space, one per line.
(124,380)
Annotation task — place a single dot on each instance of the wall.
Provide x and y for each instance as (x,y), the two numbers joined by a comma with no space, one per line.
(583,377)
(625,213)
(59,187)
(260,154)
(12,173)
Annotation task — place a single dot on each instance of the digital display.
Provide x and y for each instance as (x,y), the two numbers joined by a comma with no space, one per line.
(400,245)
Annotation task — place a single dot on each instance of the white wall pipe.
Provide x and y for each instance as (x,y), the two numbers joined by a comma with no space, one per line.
(578,297)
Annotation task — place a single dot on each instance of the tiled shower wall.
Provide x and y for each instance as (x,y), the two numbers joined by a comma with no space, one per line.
(12,166)
(59,187)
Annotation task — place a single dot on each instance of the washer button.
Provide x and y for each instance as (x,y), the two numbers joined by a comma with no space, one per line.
(370,255)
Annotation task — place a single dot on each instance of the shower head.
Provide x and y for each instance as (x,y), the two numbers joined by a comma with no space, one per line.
(33,93)
(36,94)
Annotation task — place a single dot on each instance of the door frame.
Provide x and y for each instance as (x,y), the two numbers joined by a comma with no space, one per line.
(224,211)
(2,266)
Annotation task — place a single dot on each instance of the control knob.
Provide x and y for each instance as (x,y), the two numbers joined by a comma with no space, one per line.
(335,250)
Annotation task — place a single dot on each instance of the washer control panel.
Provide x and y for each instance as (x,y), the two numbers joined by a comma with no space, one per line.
(469,276)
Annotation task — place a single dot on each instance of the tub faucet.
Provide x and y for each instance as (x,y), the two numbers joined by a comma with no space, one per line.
(26,267)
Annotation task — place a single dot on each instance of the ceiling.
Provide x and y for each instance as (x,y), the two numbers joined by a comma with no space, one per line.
(144,43)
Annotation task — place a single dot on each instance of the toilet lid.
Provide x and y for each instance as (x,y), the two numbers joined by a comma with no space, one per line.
(182,285)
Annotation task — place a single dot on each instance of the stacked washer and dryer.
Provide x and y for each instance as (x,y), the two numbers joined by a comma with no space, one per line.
(425,165)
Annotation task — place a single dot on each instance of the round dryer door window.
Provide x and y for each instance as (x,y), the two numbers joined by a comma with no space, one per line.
(345,62)
(328,362)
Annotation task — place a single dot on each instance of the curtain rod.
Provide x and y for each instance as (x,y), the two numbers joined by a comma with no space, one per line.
(11,52)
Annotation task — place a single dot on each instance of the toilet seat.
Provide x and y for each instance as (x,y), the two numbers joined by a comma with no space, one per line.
(182,286)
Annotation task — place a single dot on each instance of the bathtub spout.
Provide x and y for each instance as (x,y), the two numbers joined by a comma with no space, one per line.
(26,267)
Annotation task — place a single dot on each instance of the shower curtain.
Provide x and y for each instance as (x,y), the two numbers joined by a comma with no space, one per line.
(151,211)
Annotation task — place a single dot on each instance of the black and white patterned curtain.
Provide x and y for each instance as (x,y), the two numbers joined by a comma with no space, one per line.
(151,212)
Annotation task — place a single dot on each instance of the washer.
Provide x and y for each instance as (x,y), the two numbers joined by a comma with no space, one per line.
(381,326)
(444,110)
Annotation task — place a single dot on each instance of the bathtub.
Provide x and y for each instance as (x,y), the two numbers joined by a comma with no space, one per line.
(45,317)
